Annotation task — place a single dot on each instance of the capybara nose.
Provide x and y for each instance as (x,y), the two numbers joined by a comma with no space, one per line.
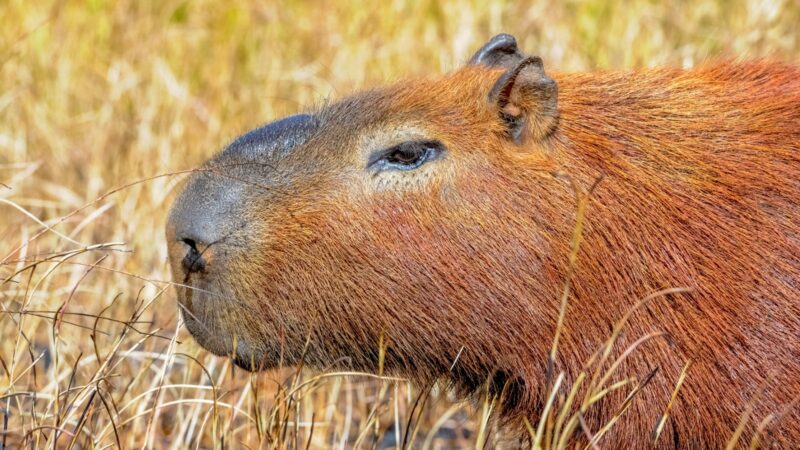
(194,260)
(195,227)
(191,232)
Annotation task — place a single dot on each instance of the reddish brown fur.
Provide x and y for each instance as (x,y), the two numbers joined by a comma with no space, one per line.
(701,189)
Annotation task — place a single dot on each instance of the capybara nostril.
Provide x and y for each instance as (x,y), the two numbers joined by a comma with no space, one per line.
(193,261)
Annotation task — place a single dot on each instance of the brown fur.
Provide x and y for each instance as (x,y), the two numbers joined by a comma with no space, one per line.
(467,255)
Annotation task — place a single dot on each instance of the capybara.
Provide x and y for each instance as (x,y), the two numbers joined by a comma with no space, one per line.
(437,218)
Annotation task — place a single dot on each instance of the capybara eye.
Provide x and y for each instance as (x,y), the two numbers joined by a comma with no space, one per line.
(406,156)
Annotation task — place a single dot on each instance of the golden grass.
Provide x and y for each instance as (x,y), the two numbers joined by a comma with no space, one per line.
(97,95)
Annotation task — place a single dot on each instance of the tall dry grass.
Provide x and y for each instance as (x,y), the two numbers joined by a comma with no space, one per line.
(103,104)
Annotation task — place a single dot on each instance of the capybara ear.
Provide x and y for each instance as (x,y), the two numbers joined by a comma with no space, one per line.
(500,51)
(526,100)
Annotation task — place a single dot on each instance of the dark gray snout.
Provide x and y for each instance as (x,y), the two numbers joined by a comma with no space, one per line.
(211,215)
(206,214)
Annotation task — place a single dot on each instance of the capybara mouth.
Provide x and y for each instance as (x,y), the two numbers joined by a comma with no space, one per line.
(206,304)
(215,337)
(200,312)
(207,335)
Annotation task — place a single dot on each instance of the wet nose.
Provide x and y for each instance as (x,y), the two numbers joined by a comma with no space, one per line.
(195,258)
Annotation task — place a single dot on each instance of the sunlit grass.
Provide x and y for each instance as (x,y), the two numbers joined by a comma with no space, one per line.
(103,107)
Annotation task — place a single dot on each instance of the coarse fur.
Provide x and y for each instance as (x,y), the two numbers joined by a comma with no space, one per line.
(458,266)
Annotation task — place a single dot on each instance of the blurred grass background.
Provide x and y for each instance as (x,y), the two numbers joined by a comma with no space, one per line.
(96,94)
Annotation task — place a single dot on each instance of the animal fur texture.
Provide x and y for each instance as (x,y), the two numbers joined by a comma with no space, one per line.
(458,266)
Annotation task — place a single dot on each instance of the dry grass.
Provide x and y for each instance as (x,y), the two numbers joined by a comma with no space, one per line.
(99,99)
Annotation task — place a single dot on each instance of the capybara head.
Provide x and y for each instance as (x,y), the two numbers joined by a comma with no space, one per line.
(426,228)
(376,218)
